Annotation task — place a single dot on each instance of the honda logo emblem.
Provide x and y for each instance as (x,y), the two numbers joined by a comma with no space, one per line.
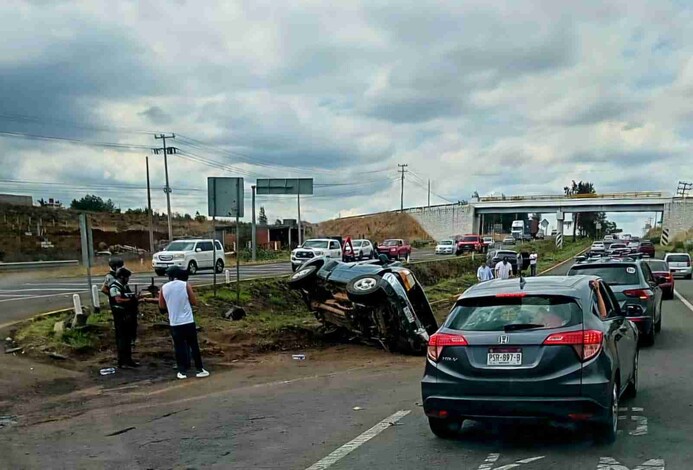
(503,339)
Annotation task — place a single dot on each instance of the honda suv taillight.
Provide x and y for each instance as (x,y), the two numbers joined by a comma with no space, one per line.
(642,294)
(587,343)
(438,341)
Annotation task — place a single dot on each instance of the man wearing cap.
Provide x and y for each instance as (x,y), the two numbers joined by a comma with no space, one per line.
(124,307)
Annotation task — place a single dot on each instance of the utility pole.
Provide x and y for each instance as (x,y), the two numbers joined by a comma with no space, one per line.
(167,189)
(403,170)
(300,235)
(149,210)
(429,193)
(683,188)
(254,228)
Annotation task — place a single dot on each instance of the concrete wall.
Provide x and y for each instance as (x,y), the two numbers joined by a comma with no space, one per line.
(678,217)
(445,221)
(16,200)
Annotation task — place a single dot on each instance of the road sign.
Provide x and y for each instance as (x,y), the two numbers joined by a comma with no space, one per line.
(225,197)
(544,223)
(284,186)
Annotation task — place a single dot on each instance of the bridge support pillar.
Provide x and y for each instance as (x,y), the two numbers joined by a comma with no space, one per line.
(560,218)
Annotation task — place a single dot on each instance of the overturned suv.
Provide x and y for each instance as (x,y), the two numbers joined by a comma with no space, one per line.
(377,300)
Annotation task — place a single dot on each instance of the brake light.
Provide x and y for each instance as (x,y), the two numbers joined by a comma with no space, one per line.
(438,341)
(642,294)
(587,343)
(511,295)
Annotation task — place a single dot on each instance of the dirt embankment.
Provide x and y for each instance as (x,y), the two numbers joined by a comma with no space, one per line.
(377,227)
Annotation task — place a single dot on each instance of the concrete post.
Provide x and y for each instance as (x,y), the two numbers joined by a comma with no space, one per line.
(80,319)
(96,303)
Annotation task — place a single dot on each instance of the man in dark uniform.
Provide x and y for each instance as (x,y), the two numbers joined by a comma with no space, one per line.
(124,307)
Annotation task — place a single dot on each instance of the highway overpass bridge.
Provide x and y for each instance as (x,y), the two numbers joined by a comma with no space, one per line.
(444,220)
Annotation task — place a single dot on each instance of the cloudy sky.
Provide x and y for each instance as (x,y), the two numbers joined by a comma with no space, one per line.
(496,97)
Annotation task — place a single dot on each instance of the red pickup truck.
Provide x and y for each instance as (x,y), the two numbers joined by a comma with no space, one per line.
(395,248)
(469,243)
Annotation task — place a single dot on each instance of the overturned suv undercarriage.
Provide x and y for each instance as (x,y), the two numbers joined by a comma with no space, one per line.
(376,300)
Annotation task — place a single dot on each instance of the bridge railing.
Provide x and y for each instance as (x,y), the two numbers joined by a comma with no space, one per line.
(629,195)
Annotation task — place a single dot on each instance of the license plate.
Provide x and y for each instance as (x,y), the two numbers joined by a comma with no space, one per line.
(408,314)
(504,359)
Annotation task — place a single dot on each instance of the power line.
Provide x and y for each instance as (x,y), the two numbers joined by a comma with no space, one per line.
(112,145)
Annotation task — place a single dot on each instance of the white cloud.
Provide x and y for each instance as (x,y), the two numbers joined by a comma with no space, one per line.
(508,97)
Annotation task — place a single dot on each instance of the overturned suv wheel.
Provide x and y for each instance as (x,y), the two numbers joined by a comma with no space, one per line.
(365,289)
(303,276)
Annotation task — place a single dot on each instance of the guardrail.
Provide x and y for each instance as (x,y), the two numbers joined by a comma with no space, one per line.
(37,265)
(630,195)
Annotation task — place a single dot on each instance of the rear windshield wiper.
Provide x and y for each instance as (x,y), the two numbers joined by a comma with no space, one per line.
(521,326)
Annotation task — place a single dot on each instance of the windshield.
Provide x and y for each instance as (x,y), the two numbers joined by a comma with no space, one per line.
(658,266)
(315,244)
(390,242)
(495,314)
(446,242)
(469,239)
(180,246)
(357,243)
(678,258)
(614,275)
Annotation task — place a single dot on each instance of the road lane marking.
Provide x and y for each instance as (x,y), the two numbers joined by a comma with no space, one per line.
(488,463)
(683,300)
(641,428)
(354,444)
(610,463)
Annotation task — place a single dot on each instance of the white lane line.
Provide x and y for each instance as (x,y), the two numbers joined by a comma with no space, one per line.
(683,300)
(349,447)
(488,463)
(41,296)
(641,429)
(59,289)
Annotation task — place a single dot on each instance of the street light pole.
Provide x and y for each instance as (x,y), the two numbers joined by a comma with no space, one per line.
(167,189)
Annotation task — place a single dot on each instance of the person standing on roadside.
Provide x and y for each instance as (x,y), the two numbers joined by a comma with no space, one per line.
(177,298)
(114,264)
(533,258)
(124,307)
(504,270)
(484,273)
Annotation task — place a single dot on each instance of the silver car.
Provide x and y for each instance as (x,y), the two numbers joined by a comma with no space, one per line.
(679,264)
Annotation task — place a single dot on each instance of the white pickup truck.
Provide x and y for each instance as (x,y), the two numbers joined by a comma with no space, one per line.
(315,247)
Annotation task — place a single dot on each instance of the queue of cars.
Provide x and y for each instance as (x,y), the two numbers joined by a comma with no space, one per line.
(558,348)
(349,250)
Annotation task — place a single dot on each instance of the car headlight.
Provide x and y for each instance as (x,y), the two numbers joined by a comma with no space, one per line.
(318,253)
(179,256)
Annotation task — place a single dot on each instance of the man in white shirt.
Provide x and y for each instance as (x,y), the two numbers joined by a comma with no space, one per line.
(533,257)
(484,273)
(504,270)
(177,298)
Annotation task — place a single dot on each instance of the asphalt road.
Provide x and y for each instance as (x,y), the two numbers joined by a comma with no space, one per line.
(25,294)
(318,416)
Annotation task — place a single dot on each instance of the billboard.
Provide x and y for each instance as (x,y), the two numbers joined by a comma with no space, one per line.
(225,197)
(284,186)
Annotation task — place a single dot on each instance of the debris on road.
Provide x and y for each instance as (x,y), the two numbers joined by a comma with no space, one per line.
(298,357)
(235,313)
(14,350)
(55,355)
(122,431)
(357,408)
(107,371)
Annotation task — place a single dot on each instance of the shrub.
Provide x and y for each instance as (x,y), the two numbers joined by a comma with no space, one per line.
(656,240)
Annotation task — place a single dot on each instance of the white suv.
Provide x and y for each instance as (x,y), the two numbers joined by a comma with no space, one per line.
(315,247)
(679,264)
(191,255)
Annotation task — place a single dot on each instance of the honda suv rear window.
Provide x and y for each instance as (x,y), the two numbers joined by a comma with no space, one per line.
(614,275)
(515,313)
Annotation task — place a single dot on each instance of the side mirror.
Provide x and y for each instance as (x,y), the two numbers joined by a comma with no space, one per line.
(660,280)
(198,250)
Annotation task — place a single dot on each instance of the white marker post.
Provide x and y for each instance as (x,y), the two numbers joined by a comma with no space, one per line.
(228,276)
(80,318)
(95,298)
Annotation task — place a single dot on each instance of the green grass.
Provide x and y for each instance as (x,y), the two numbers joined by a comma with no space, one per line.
(41,328)
(226,294)
(79,340)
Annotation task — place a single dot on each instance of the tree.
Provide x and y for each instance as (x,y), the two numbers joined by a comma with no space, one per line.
(278,222)
(262,218)
(93,203)
(586,222)
(199,217)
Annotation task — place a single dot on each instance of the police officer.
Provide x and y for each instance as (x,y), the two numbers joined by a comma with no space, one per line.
(124,307)
(115,263)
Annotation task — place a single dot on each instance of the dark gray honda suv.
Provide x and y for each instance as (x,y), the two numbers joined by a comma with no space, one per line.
(554,348)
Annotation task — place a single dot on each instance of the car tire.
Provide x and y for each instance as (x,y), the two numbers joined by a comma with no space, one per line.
(365,289)
(219,267)
(360,255)
(192,268)
(606,431)
(658,325)
(302,276)
(632,389)
(160,272)
(648,339)
(445,428)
